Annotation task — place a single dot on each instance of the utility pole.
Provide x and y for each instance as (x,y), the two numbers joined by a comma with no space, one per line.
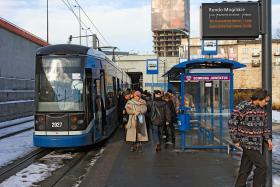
(86,29)
(48,21)
(267,77)
(80,23)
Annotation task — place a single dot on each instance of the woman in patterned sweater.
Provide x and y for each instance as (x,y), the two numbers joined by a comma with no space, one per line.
(248,128)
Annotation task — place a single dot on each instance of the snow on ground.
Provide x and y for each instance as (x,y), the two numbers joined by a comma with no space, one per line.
(38,171)
(15,147)
(15,121)
(275,116)
(16,128)
(276,160)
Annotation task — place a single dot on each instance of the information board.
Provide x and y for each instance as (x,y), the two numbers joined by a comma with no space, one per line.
(152,66)
(230,20)
(209,47)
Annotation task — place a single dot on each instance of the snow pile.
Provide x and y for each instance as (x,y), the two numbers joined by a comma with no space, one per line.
(276,160)
(15,147)
(38,171)
(275,116)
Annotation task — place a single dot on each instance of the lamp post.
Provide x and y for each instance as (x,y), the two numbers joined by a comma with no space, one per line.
(86,29)
(80,22)
(48,21)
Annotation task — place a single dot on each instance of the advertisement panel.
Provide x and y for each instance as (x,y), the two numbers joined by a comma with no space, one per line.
(230,20)
(152,66)
(170,14)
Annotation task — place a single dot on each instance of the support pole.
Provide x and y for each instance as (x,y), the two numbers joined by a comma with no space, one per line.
(267,77)
(48,21)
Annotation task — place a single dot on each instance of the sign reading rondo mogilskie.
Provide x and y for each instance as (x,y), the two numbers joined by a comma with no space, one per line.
(230,20)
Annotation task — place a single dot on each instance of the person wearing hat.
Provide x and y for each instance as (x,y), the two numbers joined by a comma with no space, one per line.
(160,116)
(136,130)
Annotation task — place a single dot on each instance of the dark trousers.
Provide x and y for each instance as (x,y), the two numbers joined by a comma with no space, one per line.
(250,158)
(171,132)
(157,134)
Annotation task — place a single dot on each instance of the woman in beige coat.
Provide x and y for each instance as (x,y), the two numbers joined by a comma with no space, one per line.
(136,132)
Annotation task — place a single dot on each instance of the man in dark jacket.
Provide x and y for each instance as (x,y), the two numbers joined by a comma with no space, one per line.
(248,128)
(159,115)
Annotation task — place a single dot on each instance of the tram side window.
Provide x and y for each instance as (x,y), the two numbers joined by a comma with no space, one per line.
(110,91)
(89,102)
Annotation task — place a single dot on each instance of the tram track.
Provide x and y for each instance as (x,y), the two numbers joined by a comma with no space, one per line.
(15,123)
(15,133)
(21,163)
(75,170)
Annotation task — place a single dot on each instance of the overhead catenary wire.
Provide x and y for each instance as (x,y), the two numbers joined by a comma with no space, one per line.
(93,24)
(70,8)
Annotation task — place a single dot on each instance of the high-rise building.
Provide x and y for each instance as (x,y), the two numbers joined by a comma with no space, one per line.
(170,24)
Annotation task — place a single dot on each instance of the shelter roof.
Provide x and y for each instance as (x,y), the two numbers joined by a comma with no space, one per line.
(206,62)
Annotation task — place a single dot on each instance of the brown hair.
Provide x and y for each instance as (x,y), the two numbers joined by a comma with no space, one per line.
(167,96)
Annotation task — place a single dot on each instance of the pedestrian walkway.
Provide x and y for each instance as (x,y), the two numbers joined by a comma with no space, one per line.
(118,167)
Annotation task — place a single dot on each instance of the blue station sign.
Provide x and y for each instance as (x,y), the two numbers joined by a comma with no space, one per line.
(152,66)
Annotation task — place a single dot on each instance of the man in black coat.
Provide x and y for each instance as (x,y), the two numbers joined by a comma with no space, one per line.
(160,116)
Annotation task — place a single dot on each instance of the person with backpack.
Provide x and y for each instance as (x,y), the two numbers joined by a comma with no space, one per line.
(160,116)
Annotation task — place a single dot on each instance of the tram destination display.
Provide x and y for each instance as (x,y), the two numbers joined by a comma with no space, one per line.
(230,20)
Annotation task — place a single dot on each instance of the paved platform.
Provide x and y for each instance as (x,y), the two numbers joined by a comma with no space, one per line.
(118,167)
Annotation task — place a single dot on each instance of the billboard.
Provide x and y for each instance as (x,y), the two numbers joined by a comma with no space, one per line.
(170,14)
(230,20)
(152,66)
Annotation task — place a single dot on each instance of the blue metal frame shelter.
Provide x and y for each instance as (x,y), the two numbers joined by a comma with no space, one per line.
(210,82)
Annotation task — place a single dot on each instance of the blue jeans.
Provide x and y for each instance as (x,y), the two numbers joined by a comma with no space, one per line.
(157,134)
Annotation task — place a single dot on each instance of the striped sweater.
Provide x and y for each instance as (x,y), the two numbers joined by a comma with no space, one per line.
(248,125)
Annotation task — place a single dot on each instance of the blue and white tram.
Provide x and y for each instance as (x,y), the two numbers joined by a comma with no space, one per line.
(75,96)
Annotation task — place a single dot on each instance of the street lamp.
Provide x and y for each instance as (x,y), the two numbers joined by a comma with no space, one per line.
(86,29)
(80,22)
(48,21)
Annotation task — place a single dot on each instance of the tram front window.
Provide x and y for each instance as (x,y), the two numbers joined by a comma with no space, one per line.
(59,84)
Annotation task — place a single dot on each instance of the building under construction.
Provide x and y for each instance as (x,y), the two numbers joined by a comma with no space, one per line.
(170,24)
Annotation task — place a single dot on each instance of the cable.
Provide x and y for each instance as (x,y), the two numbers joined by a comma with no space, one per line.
(67,3)
(92,23)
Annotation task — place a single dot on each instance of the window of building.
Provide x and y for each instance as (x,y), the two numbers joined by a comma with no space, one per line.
(277,60)
(245,51)
(277,50)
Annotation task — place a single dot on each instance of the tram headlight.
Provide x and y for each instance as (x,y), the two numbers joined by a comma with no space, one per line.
(77,122)
(40,122)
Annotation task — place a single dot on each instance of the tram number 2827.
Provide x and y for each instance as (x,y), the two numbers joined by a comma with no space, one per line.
(56,124)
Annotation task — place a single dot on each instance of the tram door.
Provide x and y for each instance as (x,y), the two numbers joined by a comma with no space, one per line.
(99,110)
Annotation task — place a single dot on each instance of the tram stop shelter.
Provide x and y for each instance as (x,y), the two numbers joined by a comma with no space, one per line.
(204,88)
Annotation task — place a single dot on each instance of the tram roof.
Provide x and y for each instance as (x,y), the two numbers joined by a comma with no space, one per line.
(202,61)
(62,49)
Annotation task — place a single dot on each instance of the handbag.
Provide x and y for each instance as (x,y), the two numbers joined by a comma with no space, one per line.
(141,118)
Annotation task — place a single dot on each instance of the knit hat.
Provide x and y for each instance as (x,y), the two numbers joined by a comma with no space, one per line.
(137,93)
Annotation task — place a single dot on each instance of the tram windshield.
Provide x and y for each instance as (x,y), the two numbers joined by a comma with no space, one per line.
(59,84)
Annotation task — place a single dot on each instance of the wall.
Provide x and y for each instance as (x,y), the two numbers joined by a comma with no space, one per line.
(17,71)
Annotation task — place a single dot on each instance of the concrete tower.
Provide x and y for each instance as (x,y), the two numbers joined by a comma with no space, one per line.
(169,19)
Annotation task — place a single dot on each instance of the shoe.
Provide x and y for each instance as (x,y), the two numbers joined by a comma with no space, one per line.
(139,147)
(169,143)
(158,148)
(132,148)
